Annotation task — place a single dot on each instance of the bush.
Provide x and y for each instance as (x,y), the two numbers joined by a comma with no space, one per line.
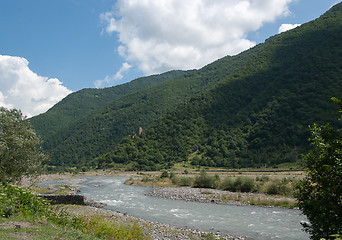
(14,199)
(147,179)
(165,174)
(281,187)
(205,181)
(244,184)
(272,188)
(185,181)
(228,184)
(241,184)
(263,178)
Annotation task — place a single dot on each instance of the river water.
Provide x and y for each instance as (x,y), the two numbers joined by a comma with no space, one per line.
(257,223)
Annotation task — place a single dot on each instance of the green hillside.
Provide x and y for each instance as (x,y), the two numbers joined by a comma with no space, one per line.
(258,114)
(80,104)
(87,137)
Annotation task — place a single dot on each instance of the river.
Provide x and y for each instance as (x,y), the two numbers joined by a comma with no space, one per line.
(257,223)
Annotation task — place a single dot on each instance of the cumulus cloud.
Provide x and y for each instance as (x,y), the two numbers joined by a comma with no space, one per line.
(162,35)
(110,80)
(25,90)
(286,27)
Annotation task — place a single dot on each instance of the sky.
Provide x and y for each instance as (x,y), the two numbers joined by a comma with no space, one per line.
(49,48)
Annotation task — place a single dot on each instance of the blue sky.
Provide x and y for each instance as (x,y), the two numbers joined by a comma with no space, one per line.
(66,45)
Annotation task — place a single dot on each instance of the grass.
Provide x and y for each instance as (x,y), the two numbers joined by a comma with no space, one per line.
(39,230)
(274,203)
(151,182)
(258,201)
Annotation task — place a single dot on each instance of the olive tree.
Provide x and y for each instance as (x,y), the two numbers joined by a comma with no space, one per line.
(20,153)
(320,193)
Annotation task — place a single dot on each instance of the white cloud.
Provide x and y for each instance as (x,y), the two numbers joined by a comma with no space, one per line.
(23,89)
(110,80)
(162,35)
(286,27)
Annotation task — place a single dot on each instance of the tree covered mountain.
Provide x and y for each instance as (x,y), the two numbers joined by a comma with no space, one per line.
(250,109)
(258,113)
(84,102)
(77,129)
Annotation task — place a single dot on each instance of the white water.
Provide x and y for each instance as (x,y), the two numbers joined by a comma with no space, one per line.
(253,222)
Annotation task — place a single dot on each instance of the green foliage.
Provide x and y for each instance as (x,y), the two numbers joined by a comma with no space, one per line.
(14,199)
(280,187)
(244,184)
(185,181)
(320,193)
(267,202)
(19,201)
(240,184)
(20,153)
(80,104)
(37,230)
(203,180)
(165,174)
(101,227)
(263,178)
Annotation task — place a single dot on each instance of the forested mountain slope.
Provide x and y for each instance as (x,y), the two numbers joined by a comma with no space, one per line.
(101,130)
(259,114)
(80,104)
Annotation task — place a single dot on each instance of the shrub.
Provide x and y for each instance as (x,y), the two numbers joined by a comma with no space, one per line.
(263,178)
(283,187)
(247,184)
(146,179)
(185,181)
(244,184)
(241,184)
(272,188)
(164,174)
(16,199)
(205,181)
(228,184)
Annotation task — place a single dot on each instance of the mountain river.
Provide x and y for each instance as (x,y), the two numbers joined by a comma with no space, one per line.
(257,223)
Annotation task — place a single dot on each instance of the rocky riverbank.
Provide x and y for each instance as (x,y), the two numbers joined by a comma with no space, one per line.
(205,195)
(157,231)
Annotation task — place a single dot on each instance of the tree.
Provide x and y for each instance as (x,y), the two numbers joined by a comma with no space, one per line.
(320,193)
(20,153)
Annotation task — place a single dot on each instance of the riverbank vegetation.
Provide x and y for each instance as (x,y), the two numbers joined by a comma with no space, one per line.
(24,214)
(320,193)
(278,190)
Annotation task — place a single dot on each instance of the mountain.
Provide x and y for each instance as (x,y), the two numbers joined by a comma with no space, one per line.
(82,103)
(258,113)
(88,130)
